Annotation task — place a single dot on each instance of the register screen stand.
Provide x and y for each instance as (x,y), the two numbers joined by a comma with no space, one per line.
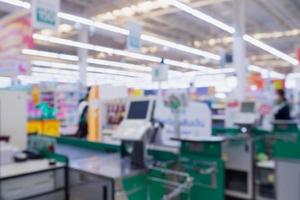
(133,129)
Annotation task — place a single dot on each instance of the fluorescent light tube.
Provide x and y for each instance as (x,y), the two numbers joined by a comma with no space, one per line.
(119,64)
(118,52)
(270,49)
(200,15)
(18,3)
(89,60)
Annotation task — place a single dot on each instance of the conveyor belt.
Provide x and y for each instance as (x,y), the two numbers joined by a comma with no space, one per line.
(75,153)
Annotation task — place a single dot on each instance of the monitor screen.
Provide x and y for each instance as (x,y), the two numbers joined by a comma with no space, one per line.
(138,110)
(248,107)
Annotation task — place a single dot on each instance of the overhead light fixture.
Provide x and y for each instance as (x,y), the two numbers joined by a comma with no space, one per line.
(265,72)
(55,71)
(119,64)
(73,43)
(72,70)
(200,15)
(93,61)
(144,37)
(184,48)
(115,29)
(44,76)
(117,72)
(271,50)
(18,3)
(75,18)
(47,54)
(67,57)
(215,72)
(187,65)
(118,52)
(55,65)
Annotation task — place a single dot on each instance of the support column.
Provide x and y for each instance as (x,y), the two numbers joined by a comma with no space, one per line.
(297,99)
(83,36)
(239,49)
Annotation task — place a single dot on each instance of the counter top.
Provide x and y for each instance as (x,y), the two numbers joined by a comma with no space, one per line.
(109,166)
(269,164)
(28,167)
(201,139)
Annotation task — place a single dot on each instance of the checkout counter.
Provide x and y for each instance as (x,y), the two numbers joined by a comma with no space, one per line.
(34,180)
(124,171)
(127,170)
(208,168)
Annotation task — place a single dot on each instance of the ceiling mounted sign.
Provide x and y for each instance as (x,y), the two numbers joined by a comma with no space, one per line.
(44,14)
(15,65)
(160,73)
(15,35)
(134,38)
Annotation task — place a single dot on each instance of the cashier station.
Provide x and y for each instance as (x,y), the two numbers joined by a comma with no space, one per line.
(141,170)
(126,170)
(133,167)
(238,155)
(275,177)
(33,177)
(23,177)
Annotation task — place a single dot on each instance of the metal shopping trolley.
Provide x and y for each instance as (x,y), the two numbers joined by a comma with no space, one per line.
(168,184)
(157,184)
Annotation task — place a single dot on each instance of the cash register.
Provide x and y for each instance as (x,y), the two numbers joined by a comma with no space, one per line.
(246,118)
(133,130)
(239,153)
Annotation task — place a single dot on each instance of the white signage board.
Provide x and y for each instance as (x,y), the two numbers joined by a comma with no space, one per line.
(160,73)
(44,14)
(13,66)
(195,122)
(109,92)
(134,38)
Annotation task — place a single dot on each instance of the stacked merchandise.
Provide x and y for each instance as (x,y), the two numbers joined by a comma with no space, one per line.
(41,98)
(47,95)
(67,97)
(115,111)
(42,111)
(56,103)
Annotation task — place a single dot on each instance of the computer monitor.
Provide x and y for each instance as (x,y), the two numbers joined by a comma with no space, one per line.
(137,120)
(247,107)
(138,110)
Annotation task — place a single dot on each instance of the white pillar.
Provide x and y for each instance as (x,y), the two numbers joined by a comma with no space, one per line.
(297,99)
(239,49)
(83,36)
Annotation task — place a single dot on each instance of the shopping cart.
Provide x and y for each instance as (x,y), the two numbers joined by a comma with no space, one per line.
(158,184)
(168,184)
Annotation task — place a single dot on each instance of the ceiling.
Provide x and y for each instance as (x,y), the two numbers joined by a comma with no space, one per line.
(275,22)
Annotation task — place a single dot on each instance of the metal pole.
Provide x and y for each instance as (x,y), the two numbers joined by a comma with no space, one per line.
(83,36)
(239,50)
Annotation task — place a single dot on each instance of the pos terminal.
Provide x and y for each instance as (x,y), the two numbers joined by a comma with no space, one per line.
(133,130)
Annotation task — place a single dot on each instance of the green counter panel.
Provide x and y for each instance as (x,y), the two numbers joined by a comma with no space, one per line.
(206,149)
(287,150)
(205,185)
(197,158)
(136,187)
(88,145)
